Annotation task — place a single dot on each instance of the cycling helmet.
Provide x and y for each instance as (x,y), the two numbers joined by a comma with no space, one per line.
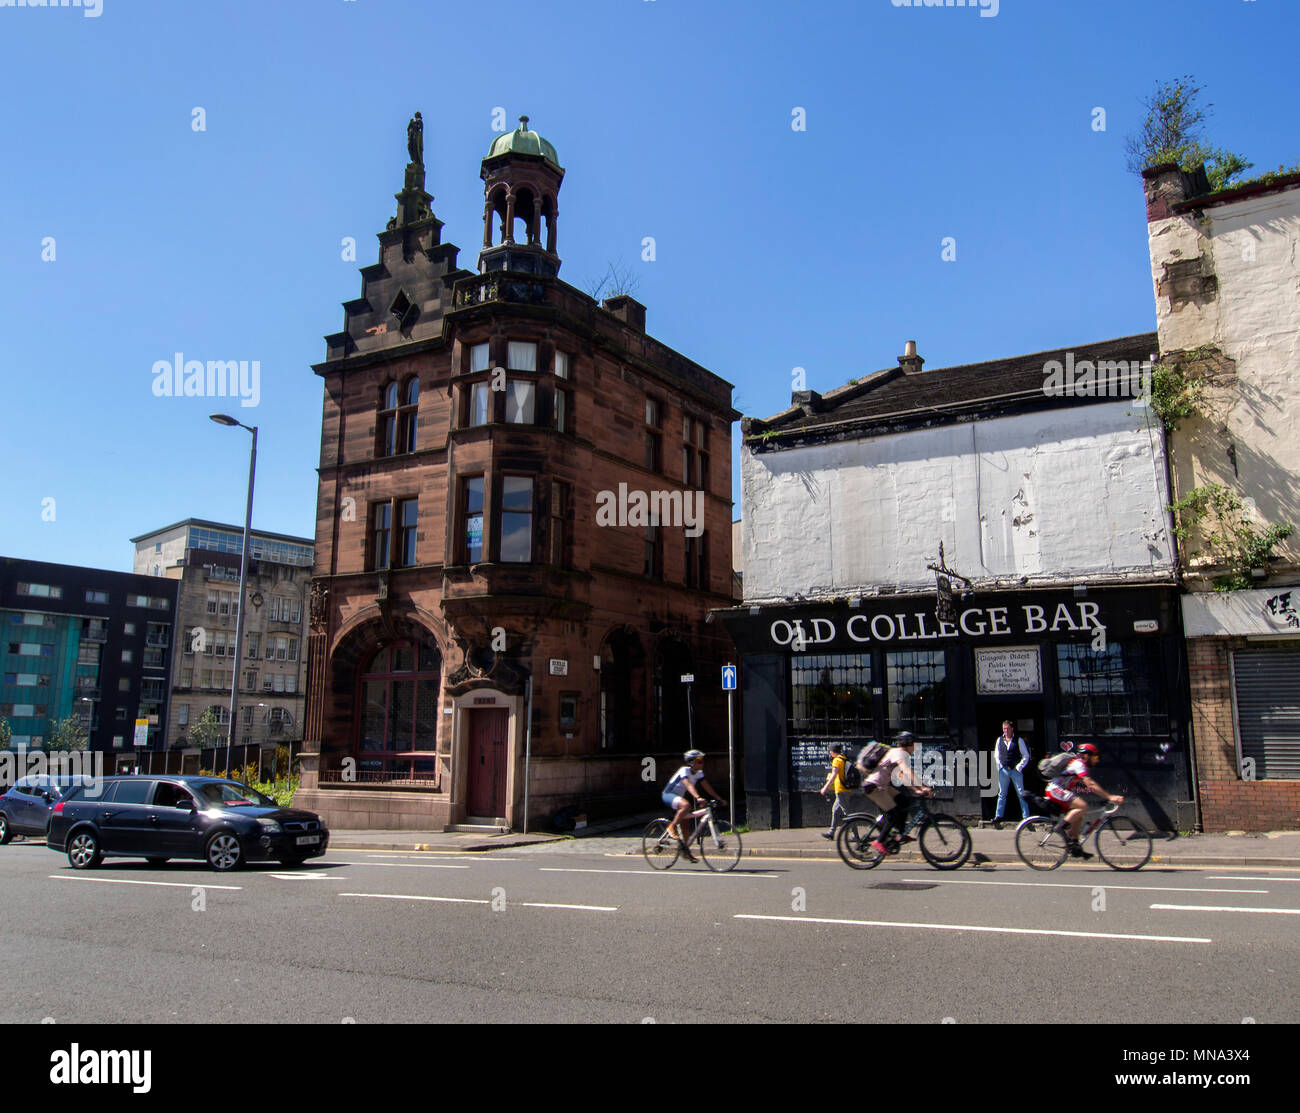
(691,755)
(1089,748)
(903,737)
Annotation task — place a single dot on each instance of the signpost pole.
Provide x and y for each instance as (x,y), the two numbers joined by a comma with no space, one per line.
(731,761)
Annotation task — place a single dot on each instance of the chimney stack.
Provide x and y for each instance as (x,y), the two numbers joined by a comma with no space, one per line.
(909,361)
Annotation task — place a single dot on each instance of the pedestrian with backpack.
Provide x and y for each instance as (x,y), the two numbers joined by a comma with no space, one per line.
(1012,757)
(844,781)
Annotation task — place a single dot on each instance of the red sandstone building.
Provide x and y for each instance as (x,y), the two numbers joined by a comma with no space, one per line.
(497,624)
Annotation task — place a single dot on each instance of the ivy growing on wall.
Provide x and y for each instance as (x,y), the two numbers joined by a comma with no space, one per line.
(1217,517)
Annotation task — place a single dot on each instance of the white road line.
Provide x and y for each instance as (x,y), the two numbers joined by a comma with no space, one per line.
(309,877)
(420,866)
(165,884)
(1098,885)
(683,873)
(975,927)
(1224,908)
(470,900)
(1291,880)
(483,857)
(580,907)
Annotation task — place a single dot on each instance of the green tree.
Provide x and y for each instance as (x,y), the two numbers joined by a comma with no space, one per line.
(1174,131)
(208,732)
(68,734)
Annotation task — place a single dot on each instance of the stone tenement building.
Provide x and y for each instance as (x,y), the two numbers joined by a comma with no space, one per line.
(497,624)
(204,556)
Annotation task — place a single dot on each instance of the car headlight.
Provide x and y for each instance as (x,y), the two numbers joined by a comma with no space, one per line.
(269,826)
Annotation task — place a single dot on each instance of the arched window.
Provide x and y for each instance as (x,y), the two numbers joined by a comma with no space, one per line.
(406,415)
(397,713)
(386,426)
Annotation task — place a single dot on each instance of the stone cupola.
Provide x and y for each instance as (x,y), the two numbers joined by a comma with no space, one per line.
(521,182)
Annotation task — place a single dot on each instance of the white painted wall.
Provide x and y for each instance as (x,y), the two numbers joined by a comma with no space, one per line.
(1255,248)
(1054,496)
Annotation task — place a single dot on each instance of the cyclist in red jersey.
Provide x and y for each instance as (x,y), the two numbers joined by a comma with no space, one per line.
(1065,789)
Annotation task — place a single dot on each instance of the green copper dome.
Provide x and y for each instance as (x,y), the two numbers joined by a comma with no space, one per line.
(523,142)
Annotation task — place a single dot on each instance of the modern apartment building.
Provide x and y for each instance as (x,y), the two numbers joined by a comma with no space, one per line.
(88,644)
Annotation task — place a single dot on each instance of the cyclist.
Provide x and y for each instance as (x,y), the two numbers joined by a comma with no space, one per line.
(1064,791)
(895,771)
(677,793)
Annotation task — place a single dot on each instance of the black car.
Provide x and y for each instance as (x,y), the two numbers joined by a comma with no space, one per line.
(219,821)
(25,807)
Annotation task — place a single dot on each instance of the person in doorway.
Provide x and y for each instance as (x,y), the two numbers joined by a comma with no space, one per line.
(1012,757)
(835,779)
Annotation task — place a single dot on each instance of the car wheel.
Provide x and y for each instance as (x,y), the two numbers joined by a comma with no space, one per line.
(83,850)
(5,833)
(223,852)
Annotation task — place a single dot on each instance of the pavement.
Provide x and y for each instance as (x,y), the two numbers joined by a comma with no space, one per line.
(1273,848)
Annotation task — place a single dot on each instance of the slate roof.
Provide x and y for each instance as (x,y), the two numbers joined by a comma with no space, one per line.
(894,399)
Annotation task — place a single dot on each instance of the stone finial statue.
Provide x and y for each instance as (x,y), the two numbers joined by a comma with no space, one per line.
(415,139)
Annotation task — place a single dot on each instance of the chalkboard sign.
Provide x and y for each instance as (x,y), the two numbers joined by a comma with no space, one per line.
(810,760)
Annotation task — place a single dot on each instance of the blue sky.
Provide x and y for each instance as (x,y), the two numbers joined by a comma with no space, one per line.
(775,248)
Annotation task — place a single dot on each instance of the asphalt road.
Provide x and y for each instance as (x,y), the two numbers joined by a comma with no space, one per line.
(566,933)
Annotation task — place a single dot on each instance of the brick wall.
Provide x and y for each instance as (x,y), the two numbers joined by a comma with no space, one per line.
(1229,803)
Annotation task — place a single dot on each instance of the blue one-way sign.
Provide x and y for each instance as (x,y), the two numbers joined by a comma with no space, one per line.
(728,678)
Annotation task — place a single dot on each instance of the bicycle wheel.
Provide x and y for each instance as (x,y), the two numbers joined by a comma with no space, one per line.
(1123,844)
(945,842)
(1040,844)
(854,838)
(719,847)
(658,846)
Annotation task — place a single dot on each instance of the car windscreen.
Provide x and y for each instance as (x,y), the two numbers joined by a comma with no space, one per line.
(230,795)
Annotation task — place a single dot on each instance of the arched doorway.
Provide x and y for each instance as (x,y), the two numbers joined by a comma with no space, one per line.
(396,722)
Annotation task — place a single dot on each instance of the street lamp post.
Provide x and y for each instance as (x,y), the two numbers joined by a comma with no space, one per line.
(226,419)
(260,748)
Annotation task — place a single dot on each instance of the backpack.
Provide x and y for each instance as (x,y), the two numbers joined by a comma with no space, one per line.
(1052,767)
(851,777)
(870,756)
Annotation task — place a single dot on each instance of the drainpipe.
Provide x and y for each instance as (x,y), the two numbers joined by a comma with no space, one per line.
(528,745)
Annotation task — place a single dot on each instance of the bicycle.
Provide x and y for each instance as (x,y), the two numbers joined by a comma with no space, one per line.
(1121,842)
(716,839)
(945,842)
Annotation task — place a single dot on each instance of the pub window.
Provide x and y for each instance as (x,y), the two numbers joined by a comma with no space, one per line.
(1117,690)
(479,358)
(653,563)
(917,687)
(520,401)
(695,456)
(561,365)
(697,567)
(522,356)
(830,695)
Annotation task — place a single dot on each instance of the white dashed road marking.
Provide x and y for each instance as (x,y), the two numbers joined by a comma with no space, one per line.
(976,927)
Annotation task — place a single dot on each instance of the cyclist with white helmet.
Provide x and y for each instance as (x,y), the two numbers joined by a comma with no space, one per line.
(677,793)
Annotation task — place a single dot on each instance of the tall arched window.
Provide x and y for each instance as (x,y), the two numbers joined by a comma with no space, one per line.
(397,713)
(406,415)
(386,425)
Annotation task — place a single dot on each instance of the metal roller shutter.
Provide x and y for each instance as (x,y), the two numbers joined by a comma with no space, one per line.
(1268,710)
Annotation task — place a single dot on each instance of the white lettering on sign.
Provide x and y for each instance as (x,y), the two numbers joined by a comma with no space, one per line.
(908,626)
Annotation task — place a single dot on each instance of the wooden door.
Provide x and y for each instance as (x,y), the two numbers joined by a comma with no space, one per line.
(486,794)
